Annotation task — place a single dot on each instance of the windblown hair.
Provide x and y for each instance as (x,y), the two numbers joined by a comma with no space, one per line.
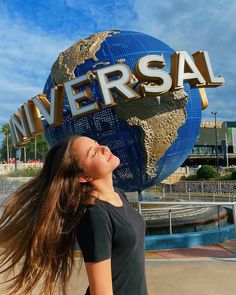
(38,224)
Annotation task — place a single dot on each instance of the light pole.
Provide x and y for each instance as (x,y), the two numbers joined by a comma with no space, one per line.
(216,143)
(35,148)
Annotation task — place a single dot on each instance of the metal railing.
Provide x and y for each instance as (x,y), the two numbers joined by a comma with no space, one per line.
(197,204)
(9,185)
(202,187)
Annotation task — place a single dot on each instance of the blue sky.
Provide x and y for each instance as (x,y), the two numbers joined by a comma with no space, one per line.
(33,33)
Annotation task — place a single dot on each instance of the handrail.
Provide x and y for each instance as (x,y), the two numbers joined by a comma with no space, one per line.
(186,203)
(202,204)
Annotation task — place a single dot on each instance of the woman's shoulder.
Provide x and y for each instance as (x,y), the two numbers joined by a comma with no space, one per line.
(95,216)
(96,210)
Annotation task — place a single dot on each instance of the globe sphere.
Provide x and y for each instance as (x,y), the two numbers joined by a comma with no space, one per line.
(152,136)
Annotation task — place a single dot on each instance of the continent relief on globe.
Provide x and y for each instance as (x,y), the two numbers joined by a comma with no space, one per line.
(159,118)
(64,67)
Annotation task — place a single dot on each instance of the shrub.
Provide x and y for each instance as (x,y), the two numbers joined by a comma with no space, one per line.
(207,172)
(225,177)
(231,169)
(233,175)
(192,177)
(26,172)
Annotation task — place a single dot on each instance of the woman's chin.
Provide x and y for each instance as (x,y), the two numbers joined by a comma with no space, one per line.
(117,161)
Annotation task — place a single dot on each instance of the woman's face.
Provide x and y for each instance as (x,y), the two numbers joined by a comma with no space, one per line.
(96,160)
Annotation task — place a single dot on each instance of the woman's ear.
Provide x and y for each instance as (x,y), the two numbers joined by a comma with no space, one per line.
(83,178)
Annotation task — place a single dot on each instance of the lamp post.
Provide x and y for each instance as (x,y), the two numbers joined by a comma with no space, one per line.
(216,143)
(35,148)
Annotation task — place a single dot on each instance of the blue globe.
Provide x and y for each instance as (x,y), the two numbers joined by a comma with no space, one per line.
(152,136)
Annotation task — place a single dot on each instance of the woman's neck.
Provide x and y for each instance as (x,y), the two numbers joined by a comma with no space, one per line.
(103,188)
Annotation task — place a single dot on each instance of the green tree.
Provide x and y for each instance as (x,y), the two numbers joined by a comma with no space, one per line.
(33,152)
(5,130)
(207,172)
(37,148)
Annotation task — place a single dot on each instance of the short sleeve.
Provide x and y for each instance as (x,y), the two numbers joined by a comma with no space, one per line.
(94,234)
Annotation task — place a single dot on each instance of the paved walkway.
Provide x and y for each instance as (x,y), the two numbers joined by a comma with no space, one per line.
(207,270)
(203,270)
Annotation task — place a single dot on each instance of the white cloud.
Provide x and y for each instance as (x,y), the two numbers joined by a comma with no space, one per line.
(26,57)
(105,15)
(9,87)
(197,25)
(27,51)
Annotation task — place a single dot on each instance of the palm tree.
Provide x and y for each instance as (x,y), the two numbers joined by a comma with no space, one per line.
(5,129)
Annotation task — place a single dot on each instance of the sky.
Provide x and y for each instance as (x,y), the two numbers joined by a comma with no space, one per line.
(33,33)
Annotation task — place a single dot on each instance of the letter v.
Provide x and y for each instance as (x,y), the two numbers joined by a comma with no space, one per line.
(51,111)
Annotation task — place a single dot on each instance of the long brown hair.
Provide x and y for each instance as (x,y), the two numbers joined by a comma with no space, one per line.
(38,224)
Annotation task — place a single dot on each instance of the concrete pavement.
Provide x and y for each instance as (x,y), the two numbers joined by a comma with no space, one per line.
(203,270)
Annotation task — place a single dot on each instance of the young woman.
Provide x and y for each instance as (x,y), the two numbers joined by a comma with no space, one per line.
(73,199)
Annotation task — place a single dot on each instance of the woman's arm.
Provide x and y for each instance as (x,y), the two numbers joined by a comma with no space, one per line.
(99,276)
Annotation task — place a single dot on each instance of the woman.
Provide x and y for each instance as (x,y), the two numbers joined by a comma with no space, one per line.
(73,198)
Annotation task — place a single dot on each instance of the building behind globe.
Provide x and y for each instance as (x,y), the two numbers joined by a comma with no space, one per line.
(152,136)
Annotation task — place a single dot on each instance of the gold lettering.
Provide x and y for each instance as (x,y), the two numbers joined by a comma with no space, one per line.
(202,61)
(184,69)
(145,72)
(76,97)
(119,84)
(33,117)
(52,111)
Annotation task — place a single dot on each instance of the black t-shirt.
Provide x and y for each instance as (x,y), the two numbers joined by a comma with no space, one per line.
(107,231)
